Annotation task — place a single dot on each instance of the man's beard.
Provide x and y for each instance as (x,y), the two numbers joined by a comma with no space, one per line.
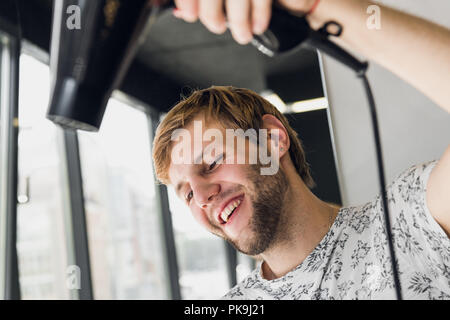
(268,223)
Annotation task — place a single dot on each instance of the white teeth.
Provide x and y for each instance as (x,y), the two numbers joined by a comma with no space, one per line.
(227,211)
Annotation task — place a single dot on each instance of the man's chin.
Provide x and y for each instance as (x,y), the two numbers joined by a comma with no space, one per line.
(249,247)
(246,242)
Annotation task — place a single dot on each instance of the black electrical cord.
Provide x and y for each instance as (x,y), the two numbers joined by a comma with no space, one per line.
(319,40)
(380,166)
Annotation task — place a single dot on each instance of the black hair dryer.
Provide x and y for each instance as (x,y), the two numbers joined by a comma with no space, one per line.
(93,44)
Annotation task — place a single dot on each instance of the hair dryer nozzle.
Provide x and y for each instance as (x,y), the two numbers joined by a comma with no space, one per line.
(90,56)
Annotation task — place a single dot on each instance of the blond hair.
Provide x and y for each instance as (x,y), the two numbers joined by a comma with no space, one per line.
(233,107)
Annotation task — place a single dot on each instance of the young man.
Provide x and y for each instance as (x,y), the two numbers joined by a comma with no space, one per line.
(309,248)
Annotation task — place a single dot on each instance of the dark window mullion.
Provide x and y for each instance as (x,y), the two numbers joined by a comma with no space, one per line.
(77,227)
(231,259)
(9,92)
(166,219)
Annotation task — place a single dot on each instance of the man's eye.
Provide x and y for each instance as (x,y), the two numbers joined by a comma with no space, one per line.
(213,165)
(189,196)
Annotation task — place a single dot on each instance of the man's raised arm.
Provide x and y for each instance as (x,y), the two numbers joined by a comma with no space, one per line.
(416,50)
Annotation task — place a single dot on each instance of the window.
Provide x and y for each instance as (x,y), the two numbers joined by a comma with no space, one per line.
(41,241)
(201,255)
(245,265)
(124,230)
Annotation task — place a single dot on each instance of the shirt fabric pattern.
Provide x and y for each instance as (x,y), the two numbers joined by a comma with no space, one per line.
(352,261)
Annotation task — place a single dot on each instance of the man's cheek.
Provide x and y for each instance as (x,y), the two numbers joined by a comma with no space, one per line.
(201,218)
(233,173)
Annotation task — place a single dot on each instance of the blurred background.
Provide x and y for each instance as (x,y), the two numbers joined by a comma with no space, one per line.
(81,215)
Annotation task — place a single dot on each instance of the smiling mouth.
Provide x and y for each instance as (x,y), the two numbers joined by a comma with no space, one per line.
(229,210)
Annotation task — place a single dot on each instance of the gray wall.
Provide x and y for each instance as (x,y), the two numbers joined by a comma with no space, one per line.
(413,128)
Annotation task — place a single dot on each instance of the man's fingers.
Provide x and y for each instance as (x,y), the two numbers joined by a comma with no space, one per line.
(245,17)
(212,15)
(187,10)
(238,14)
(261,13)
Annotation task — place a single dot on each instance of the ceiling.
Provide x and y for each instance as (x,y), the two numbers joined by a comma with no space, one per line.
(190,54)
(177,55)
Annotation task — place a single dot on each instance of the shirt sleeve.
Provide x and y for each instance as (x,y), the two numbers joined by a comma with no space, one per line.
(416,232)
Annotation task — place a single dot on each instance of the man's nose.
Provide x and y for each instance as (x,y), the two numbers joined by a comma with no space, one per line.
(204,194)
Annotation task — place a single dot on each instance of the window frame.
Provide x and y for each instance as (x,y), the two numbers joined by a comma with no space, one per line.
(162,197)
(9,85)
(75,215)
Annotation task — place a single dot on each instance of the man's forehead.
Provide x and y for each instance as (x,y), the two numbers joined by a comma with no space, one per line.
(199,123)
(206,123)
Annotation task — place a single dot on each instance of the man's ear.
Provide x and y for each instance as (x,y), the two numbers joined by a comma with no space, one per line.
(270,122)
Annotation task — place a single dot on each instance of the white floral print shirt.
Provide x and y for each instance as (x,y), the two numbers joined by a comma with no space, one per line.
(352,261)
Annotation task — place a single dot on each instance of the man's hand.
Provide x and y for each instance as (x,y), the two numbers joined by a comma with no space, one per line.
(243,17)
